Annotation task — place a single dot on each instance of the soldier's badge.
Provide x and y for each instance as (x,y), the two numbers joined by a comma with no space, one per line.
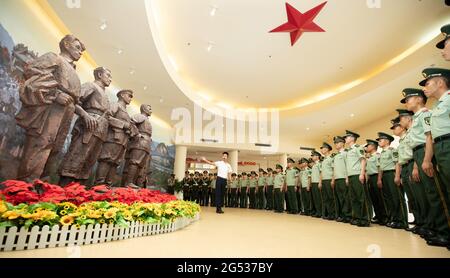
(362,152)
(395,154)
(427,120)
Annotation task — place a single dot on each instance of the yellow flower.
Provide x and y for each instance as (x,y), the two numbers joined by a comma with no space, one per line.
(3,207)
(127,216)
(110,213)
(12,214)
(63,212)
(101,221)
(111,221)
(94,214)
(66,220)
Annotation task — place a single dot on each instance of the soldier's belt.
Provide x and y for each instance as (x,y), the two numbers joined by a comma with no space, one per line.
(421,146)
(388,171)
(442,138)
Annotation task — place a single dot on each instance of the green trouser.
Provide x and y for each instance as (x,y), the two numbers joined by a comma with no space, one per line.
(243,197)
(412,202)
(423,206)
(293,207)
(298,194)
(360,208)
(376,195)
(286,199)
(438,212)
(260,198)
(213,196)
(342,199)
(442,154)
(233,199)
(316,199)
(269,197)
(329,203)
(278,200)
(396,201)
(252,198)
(306,200)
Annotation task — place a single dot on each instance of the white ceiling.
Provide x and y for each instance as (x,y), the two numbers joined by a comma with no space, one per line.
(357,42)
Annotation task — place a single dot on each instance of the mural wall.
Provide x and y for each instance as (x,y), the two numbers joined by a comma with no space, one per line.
(13,58)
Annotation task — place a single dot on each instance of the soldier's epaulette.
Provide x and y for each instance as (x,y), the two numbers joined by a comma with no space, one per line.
(356,145)
(346,150)
(333,155)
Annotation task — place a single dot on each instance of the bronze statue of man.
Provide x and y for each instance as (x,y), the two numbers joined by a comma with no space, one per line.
(48,95)
(90,130)
(138,153)
(119,131)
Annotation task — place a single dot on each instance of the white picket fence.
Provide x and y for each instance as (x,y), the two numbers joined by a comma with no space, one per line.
(13,238)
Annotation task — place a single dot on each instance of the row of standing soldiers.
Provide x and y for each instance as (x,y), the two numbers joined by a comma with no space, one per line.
(104,133)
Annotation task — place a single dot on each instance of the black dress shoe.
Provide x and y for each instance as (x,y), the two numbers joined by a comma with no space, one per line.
(219,211)
(363,224)
(390,224)
(346,220)
(438,241)
(339,219)
(427,234)
(375,221)
(354,222)
(398,226)
(411,229)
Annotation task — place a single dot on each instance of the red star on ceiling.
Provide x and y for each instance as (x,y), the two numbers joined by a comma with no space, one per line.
(299,23)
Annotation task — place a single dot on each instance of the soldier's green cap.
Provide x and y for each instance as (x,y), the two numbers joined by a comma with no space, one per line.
(244,173)
(191,174)
(395,122)
(411,92)
(261,170)
(446,33)
(372,142)
(351,133)
(233,175)
(326,145)
(205,172)
(269,169)
(239,175)
(310,160)
(290,160)
(429,73)
(382,135)
(303,160)
(253,172)
(249,175)
(211,174)
(404,112)
(338,139)
(315,153)
(279,166)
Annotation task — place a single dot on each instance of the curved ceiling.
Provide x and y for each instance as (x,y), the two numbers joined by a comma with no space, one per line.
(223,52)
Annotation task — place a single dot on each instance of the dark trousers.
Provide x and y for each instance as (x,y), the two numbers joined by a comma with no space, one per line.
(252,198)
(278,200)
(360,205)
(292,199)
(269,197)
(343,207)
(306,200)
(442,154)
(438,211)
(243,197)
(376,196)
(260,198)
(316,199)
(221,185)
(299,199)
(396,202)
(329,203)
(421,201)
(213,197)
(412,200)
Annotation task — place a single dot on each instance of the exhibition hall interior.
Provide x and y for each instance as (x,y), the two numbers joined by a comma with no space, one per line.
(224,129)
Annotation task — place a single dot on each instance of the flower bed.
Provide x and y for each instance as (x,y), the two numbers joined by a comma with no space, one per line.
(29,211)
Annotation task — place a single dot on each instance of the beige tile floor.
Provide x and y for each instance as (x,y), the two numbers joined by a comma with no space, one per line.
(250,233)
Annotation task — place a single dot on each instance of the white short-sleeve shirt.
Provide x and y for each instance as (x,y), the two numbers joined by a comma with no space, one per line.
(223,169)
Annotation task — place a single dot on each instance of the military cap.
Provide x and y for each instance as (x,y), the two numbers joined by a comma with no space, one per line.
(233,175)
(290,160)
(279,166)
(338,139)
(395,122)
(315,153)
(186,172)
(244,173)
(411,92)
(382,135)
(303,160)
(239,175)
(269,169)
(261,170)
(446,33)
(211,174)
(205,172)
(310,160)
(372,142)
(191,174)
(326,145)
(351,133)
(429,73)
(121,92)
(253,172)
(404,112)
(215,174)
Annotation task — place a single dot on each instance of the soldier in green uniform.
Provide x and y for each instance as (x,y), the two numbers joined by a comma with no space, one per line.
(356,171)
(260,189)
(417,200)
(269,189)
(252,184)
(393,194)
(278,185)
(186,181)
(444,45)
(376,194)
(339,182)
(291,179)
(213,189)
(437,86)
(205,189)
(326,175)
(194,186)
(423,169)
(238,190)
(243,191)
(315,185)
(233,191)
(305,184)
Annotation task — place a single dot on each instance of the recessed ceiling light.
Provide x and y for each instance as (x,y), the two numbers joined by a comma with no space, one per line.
(103,26)
(213,11)
(352,115)
(161,100)
(120,51)
(132,71)
(145,88)
(308,128)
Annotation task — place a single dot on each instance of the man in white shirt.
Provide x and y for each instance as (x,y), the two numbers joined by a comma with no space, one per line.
(223,174)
